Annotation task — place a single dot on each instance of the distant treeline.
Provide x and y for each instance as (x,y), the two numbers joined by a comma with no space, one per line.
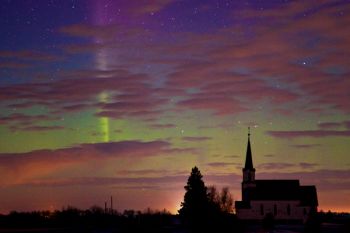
(333,217)
(94,219)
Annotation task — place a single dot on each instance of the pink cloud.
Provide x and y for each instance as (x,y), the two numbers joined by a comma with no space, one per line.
(309,133)
(220,105)
(29,55)
(162,126)
(13,65)
(306,146)
(18,168)
(129,95)
(105,32)
(19,117)
(142,172)
(308,165)
(37,128)
(286,166)
(22,122)
(97,181)
(347,124)
(222,164)
(275,166)
(329,125)
(188,150)
(150,7)
(150,172)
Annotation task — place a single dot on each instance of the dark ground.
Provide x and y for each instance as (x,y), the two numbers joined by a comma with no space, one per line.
(325,228)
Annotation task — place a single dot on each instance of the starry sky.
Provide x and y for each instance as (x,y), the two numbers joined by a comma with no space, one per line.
(123,98)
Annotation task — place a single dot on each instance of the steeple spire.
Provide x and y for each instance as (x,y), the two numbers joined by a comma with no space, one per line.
(248,158)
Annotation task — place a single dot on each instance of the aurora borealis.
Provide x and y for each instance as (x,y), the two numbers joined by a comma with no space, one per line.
(123,98)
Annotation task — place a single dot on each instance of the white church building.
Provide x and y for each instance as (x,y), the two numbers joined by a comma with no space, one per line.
(284,199)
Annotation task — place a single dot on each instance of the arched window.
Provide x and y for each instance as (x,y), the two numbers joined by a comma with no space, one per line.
(261,209)
(288,210)
(275,209)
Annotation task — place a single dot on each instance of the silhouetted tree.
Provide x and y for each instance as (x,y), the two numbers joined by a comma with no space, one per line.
(224,200)
(214,200)
(194,208)
(221,218)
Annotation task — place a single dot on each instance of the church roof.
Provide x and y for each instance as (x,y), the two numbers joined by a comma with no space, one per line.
(283,190)
(308,195)
(275,190)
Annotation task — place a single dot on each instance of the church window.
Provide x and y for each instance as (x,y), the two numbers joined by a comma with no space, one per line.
(275,209)
(262,209)
(288,210)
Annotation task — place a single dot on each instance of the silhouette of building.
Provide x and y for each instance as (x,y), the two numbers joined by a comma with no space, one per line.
(284,199)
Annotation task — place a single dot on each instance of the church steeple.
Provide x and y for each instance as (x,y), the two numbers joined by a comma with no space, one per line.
(248,158)
(248,170)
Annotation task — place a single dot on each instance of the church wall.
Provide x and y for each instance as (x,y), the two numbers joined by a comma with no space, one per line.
(279,209)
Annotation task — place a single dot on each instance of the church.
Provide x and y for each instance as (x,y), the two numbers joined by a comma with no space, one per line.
(286,200)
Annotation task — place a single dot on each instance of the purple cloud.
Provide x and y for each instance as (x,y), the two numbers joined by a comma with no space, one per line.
(306,146)
(329,125)
(308,133)
(162,126)
(222,164)
(275,166)
(23,166)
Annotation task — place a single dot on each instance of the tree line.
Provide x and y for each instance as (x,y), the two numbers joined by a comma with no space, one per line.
(94,219)
(204,209)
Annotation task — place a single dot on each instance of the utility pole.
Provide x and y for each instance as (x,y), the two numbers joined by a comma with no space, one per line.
(111,204)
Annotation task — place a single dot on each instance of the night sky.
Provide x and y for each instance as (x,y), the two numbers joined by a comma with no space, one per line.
(123,98)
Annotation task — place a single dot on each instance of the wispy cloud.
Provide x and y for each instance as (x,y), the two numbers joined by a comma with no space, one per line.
(196,139)
(24,166)
(286,166)
(222,164)
(309,133)
(305,146)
